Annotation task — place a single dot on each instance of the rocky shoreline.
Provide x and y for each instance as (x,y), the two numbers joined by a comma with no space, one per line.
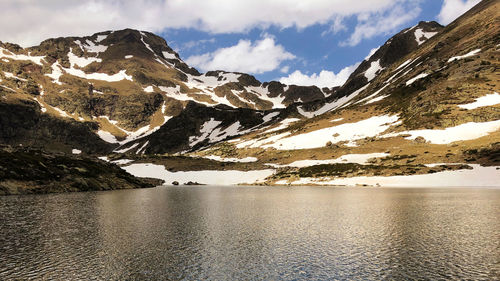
(28,171)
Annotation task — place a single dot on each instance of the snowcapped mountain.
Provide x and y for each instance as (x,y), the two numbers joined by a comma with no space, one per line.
(127,82)
(428,95)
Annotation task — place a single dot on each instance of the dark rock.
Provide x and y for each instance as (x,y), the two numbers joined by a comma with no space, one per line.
(193,183)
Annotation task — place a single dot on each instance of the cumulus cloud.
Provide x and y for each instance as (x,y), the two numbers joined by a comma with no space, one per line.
(198,43)
(324,79)
(452,9)
(29,21)
(258,57)
(370,25)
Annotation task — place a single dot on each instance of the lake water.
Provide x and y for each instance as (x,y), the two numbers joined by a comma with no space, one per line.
(252,233)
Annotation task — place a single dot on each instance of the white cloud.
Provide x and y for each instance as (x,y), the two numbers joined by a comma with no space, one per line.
(198,43)
(370,25)
(27,22)
(259,57)
(285,69)
(452,9)
(324,79)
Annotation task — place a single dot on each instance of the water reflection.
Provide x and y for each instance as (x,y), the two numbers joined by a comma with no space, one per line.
(229,233)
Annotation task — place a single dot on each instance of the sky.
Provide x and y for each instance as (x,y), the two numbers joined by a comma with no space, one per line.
(313,42)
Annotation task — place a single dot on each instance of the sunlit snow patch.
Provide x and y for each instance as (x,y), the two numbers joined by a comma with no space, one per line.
(469,54)
(463,132)
(231,177)
(348,158)
(349,132)
(487,100)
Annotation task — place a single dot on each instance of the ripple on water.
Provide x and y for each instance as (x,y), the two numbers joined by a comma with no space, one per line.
(233,233)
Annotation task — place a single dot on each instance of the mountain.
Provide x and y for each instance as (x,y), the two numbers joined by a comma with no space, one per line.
(429,95)
(121,84)
(434,102)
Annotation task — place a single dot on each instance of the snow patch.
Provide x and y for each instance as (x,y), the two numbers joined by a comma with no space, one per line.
(421,36)
(129,56)
(4,53)
(371,72)
(488,100)
(469,54)
(237,160)
(12,76)
(270,116)
(80,61)
(56,73)
(126,149)
(420,76)
(122,161)
(168,55)
(100,38)
(333,105)
(107,137)
(282,125)
(149,89)
(230,177)
(463,132)
(348,158)
(76,151)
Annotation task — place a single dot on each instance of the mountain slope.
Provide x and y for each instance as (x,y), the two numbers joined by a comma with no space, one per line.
(128,82)
(439,103)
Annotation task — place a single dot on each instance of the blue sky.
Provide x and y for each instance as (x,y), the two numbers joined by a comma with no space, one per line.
(315,48)
(303,42)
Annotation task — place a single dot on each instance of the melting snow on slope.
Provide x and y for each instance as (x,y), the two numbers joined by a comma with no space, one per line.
(420,33)
(371,72)
(255,143)
(80,61)
(420,76)
(333,105)
(237,160)
(205,130)
(91,47)
(168,55)
(348,158)
(349,132)
(4,53)
(107,137)
(270,116)
(487,100)
(121,75)
(57,70)
(10,75)
(469,54)
(100,38)
(478,176)
(230,177)
(127,149)
(56,73)
(263,94)
(463,132)
(282,125)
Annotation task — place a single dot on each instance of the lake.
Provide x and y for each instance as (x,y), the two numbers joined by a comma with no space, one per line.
(252,233)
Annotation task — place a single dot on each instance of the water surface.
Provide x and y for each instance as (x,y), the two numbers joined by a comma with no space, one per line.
(252,233)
